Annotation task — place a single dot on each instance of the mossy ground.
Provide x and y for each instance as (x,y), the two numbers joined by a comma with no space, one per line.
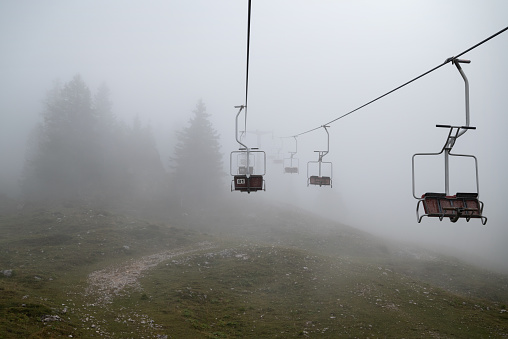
(270,281)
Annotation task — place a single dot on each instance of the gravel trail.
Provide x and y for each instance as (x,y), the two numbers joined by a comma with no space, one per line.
(111,281)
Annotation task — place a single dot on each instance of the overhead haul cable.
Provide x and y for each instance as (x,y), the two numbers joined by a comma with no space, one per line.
(247,71)
(451,59)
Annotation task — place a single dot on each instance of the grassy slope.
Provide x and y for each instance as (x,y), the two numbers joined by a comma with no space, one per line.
(275,273)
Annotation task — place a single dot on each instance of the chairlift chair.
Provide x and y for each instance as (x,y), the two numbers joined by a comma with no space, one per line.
(246,172)
(444,205)
(277,157)
(245,178)
(291,163)
(323,167)
(320,179)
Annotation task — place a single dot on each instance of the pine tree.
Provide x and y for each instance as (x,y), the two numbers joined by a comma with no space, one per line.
(61,163)
(143,163)
(197,162)
(80,152)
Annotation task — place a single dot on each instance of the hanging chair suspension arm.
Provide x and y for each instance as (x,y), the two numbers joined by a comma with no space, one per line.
(244,147)
(241,107)
(452,137)
(457,63)
(296,147)
(323,153)
(466,85)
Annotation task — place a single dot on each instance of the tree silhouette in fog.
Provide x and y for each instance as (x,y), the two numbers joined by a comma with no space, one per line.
(197,162)
(80,152)
(61,161)
(142,167)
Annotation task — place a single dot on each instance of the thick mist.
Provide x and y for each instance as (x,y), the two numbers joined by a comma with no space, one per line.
(310,62)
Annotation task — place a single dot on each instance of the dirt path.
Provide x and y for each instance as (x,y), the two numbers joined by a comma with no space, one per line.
(104,284)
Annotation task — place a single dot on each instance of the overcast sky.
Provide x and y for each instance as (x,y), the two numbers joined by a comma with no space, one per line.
(311,61)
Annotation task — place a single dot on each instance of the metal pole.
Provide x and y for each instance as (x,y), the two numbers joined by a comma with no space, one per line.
(322,154)
(328,141)
(238,141)
(447,173)
(296,151)
(457,63)
(320,158)
(236,125)
(460,131)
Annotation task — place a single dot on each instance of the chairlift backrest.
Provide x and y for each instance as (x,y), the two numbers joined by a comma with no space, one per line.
(243,170)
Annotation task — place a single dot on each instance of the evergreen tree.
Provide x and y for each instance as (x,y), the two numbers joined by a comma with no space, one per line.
(80,151)
(197,162)
(143,165)
(102,107)
(63,160)
(108,143)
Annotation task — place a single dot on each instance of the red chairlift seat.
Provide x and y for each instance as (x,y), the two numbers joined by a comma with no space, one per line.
(461,205)
(291,170)
(249,184)
(316,180)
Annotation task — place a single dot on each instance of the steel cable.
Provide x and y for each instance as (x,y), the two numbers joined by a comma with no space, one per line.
(405,84)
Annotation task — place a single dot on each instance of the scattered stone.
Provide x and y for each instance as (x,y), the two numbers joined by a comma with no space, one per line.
(7,273)
(48,318)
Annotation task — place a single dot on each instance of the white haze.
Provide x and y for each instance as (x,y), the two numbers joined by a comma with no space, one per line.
(311,61)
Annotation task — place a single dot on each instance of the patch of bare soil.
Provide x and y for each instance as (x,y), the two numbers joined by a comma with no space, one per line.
(104,284)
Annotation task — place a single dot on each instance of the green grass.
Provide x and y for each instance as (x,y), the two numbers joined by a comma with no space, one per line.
(51,252)
(279,278)
(269,292)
